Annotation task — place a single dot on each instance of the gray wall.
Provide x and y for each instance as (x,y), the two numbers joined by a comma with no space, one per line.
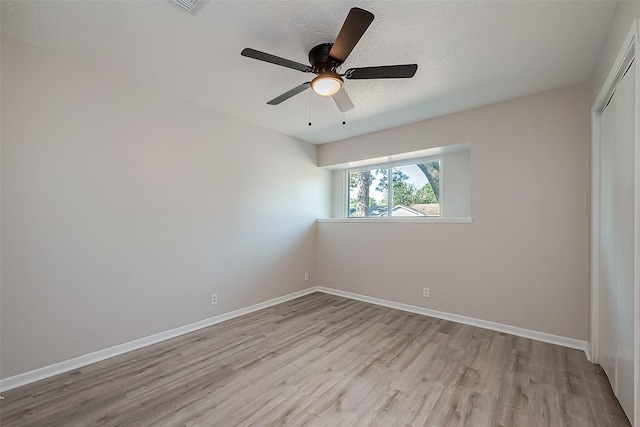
(524,261)
(123,209)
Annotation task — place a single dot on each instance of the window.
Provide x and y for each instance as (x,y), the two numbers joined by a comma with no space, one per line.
(430,185)
(414,190)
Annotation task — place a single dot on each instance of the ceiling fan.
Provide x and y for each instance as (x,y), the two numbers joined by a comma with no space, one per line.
(326,58)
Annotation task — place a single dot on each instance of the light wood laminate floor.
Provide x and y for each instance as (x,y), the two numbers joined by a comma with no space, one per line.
(322,360)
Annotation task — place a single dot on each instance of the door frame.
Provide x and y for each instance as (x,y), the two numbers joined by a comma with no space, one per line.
(627,54)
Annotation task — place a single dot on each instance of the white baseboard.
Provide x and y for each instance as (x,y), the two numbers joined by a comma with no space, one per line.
(513,330)
(87,359)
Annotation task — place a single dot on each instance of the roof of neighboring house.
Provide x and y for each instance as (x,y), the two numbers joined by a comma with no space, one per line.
(428,209)
(424,209)
(401,210)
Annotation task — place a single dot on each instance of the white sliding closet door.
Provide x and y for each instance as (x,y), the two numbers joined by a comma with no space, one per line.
(617,180)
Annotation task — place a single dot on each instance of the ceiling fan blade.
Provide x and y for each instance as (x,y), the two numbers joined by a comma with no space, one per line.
(356,23)
(342,100)
(383,72)
(267,57)
(296,90)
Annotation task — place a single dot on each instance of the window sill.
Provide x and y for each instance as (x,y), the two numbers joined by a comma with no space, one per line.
(467,220)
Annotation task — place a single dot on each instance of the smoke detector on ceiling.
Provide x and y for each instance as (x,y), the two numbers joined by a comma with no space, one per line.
(189,5)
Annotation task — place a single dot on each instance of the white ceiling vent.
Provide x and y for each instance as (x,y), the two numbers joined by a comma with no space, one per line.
(190,5)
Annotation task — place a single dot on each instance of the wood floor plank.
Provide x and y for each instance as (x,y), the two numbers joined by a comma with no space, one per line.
(323,360)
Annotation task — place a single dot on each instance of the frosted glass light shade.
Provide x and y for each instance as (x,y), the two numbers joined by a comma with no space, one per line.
(326,84)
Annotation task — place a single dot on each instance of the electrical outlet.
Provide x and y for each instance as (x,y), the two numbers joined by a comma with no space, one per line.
(214,299)
(306,276)
(425,292)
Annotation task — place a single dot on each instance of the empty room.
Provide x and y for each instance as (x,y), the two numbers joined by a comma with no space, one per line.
(319,213)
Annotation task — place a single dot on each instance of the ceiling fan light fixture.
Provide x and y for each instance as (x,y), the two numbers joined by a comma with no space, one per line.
(327,84)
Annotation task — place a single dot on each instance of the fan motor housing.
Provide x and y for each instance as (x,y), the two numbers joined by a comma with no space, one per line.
(320,60)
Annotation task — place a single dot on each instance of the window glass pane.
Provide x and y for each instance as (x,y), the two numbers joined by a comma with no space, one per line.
(368,193)
(416,189)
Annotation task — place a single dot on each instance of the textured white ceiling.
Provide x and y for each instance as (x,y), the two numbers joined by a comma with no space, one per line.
(469,53)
